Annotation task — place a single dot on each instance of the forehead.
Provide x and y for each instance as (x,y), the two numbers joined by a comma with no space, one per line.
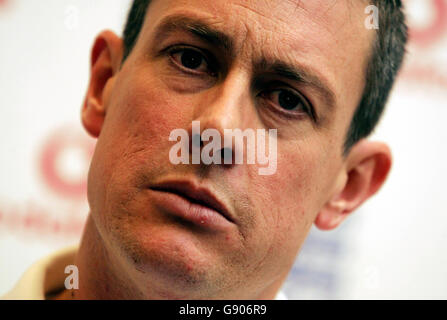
(327,37)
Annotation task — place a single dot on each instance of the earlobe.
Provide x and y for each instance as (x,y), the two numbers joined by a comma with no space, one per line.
(367,167)
(105,63)
(92,117)
(333,212)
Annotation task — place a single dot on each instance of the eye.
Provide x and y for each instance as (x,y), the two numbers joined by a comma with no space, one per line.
(287,100)
(191,60)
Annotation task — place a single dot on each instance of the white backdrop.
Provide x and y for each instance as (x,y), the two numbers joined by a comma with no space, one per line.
(393,247)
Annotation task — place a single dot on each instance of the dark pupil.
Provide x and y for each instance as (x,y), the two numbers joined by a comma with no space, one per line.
(191,59)
(287,100)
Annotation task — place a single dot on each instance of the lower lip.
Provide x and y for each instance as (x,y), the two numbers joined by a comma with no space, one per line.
(196,213)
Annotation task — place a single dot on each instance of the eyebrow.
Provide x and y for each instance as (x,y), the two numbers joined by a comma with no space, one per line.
(196,28)
(204,32)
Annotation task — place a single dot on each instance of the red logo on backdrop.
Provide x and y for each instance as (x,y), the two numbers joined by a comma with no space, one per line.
(435,29)
(425,65)
(63,162)
(5,5)
(59,144)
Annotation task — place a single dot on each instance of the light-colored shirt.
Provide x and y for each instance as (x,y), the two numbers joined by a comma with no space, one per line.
(44,277)
(47,277)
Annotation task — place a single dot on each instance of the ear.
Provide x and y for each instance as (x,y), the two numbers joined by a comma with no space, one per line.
(105,64)
(366,169)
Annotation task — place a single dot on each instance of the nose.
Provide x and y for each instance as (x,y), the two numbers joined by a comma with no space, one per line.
(226,106)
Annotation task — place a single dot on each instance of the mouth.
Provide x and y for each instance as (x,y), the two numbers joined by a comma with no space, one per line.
(192,202)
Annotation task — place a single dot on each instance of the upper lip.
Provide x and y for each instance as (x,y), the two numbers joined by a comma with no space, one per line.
(196,194)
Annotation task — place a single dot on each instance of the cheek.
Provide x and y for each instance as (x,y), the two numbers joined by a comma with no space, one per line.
(284,209)
(146,110)
(296,180)
(134,139)
(293,193)
(139,119)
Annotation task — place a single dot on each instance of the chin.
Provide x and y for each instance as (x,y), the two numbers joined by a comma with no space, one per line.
(170,258)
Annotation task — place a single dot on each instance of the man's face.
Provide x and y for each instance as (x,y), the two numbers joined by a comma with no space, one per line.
(294,66)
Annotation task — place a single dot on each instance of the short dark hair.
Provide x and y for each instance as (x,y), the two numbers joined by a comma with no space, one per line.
(134,23)
(385,61)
